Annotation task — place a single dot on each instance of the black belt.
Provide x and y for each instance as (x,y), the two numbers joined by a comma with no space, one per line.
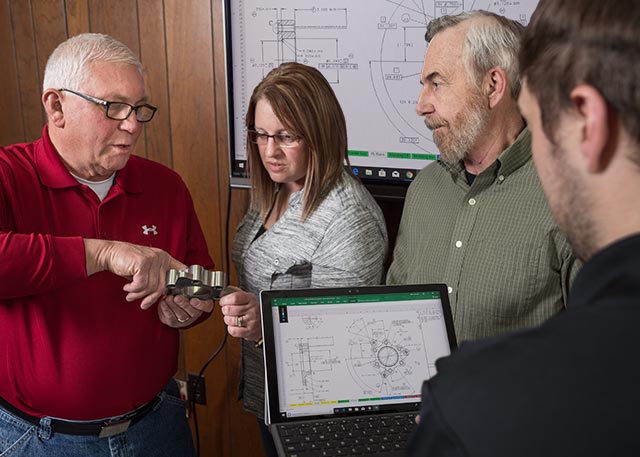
(104,428)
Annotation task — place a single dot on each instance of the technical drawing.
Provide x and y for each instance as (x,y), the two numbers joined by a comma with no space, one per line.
(371,51)
(312,322)
(290,43)
(377,353)
(383,355)
(311,364)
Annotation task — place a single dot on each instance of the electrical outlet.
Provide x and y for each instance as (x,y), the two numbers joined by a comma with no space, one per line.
(182,387)
(200,395)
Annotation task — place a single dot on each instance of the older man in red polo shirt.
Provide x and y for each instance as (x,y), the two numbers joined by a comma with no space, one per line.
(88,232)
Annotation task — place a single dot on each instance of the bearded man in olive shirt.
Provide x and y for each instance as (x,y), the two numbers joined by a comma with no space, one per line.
(477,219)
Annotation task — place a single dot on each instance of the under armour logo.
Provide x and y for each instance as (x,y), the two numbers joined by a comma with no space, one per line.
(146,230)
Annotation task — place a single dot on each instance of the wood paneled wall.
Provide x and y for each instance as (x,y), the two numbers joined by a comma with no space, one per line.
(180,43)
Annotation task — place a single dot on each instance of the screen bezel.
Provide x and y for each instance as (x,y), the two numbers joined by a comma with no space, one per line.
(268,335)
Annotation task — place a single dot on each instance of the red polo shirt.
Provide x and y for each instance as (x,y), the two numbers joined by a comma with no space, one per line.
(71,346)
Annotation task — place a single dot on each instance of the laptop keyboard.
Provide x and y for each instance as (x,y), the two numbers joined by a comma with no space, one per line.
(379,435)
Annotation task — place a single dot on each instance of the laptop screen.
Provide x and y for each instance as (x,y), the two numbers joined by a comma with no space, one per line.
(346,351)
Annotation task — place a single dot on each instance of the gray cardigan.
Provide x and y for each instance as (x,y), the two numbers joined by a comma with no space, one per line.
(342,243)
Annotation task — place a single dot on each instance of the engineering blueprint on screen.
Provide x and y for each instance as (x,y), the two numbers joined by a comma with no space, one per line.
(378,353)
(370,50)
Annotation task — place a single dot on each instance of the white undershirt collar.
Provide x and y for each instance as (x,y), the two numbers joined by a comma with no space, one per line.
(101,188)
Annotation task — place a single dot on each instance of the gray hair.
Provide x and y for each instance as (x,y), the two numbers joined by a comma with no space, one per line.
(492,41)
(69,64)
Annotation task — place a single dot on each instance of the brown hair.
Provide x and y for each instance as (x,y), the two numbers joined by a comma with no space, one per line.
(572,42)
(305,103)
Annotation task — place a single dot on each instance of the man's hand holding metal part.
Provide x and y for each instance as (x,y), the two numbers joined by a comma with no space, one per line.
(191,291)
(179,311)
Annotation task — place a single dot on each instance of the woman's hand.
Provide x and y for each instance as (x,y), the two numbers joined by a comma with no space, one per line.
(241,312)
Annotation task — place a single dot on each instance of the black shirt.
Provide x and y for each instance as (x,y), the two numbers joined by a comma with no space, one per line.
(570,387)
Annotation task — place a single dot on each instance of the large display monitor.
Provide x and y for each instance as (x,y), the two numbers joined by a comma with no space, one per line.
(371,51)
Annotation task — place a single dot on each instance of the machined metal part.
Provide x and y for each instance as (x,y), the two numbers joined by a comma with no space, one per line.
(196,282)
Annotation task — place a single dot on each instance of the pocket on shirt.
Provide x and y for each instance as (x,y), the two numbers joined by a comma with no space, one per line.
(291,275)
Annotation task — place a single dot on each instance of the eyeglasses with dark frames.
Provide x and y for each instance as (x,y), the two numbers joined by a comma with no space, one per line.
(119,111)
(284,140)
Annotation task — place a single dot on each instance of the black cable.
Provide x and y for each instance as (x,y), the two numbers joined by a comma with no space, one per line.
(197,383)
(224,338)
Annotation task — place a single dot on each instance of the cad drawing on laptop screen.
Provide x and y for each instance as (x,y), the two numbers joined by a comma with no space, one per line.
(364,352)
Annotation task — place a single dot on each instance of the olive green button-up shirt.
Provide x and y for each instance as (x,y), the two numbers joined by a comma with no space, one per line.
(494,243)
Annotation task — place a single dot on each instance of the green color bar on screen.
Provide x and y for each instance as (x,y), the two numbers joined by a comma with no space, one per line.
(424,156)
(398,155)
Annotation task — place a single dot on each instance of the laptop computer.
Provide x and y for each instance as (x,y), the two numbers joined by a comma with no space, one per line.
(343,360)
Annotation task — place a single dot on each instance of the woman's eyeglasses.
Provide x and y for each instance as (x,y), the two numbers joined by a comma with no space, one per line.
(284,140)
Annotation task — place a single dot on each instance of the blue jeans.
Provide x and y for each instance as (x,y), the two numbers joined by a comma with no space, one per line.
(163,432)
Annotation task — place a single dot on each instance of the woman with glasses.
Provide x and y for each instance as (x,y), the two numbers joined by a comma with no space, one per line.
(310,222)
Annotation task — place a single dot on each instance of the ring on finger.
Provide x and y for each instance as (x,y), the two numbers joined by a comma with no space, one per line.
(240,321)
(182,321)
